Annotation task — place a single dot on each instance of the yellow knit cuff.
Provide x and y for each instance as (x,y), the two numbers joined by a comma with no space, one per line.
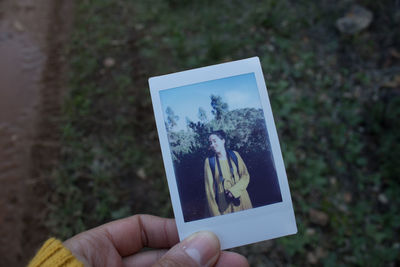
(53,253)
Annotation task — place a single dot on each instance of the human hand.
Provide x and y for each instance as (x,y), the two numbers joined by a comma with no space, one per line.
(229,194)
(119,243)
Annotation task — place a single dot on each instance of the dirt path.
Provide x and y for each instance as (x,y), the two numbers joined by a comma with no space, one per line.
(32,34)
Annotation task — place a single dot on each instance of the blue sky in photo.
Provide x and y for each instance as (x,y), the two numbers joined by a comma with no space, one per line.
(238,91)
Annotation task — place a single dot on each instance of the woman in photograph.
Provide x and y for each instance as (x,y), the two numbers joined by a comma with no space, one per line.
(226,178)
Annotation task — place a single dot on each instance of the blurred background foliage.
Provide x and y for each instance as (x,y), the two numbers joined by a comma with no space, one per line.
(335,98)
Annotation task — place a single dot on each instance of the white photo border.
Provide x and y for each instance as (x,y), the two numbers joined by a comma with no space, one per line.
(247,226)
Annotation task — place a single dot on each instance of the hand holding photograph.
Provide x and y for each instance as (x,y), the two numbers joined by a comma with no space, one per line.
(221,153)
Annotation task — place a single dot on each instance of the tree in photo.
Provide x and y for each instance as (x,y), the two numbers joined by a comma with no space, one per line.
(202,115)
(219,108)
(171,118)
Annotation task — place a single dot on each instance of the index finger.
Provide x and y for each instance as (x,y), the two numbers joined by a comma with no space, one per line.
(131,234)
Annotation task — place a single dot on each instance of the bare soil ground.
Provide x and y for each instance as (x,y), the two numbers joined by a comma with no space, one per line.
(32,38)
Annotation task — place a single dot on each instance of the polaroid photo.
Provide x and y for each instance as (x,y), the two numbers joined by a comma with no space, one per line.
(221,153)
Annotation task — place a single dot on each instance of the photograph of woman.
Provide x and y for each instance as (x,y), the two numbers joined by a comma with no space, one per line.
(220,147)
(226,178)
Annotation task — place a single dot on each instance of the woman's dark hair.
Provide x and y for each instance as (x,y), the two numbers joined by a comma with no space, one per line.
(220,133)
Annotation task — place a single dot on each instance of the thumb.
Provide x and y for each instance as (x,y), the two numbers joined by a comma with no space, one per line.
(199,249)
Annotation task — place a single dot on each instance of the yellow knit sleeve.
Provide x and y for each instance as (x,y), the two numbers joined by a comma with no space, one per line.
(53,253)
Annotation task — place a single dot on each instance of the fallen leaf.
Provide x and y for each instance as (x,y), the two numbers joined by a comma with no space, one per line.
(394,53)
(318,217)
(357,19)
(311,258)
(383,199)
(109,62)
(347,197)
(18,26)
(310,231)
(14,137)
(393,83)
(141,174)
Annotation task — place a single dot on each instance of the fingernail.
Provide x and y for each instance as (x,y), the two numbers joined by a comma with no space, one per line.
(203,248)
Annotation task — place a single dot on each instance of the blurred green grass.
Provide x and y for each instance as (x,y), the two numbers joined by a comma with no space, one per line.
(333,98)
